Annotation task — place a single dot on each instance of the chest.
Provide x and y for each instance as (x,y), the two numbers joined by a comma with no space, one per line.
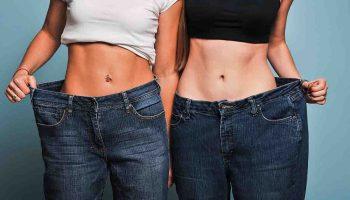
(235,12)
(138,14)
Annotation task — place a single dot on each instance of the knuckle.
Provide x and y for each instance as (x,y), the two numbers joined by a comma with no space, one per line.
(12,84)
(26,91)
(17,81)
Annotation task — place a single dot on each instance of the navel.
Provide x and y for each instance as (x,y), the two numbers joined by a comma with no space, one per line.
(108,78)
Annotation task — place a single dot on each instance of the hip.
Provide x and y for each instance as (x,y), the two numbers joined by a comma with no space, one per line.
(139,106)
(283,105)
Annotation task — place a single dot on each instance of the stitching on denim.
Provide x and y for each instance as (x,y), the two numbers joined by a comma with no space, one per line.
(144,96)
(145,117)
(99,130)
(282,120)
(221,133)
(64,116)
(177,122)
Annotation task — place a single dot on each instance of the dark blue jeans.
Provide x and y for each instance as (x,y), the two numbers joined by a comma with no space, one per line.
(86,139)
(256,147)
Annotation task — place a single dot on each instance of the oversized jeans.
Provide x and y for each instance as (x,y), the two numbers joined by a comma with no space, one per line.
(256,148)
(86,139)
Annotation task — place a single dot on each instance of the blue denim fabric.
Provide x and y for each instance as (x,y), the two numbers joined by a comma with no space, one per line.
(255,147)
(85,139)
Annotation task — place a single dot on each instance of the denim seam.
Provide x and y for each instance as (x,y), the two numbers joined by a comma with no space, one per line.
(99,130)
(143,116)
(283,120)
(62,119)
(202,113)
(178,121)
(221,134)
(143,96)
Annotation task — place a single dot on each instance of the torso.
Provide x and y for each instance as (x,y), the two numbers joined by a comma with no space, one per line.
(98,69)
(225,68)
(111,44)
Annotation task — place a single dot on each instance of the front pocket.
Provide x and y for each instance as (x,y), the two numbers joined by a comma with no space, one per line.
(149,108)
(49,116)
(175,119)
(280,110)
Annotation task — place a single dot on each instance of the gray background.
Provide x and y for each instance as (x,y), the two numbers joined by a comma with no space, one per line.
(318,35)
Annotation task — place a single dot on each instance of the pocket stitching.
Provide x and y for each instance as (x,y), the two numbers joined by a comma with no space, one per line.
(277,120)
(133,109)
(281,120)
(178,121)
(64,116)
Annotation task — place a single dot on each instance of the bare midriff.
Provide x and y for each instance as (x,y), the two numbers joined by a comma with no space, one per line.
(225,70)
(99,69)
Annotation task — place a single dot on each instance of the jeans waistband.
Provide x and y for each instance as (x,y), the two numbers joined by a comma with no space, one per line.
(49,94)
(285,86)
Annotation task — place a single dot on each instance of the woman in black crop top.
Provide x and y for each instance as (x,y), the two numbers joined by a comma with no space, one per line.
(235,127)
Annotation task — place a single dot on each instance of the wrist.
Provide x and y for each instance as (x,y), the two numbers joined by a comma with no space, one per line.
(23,70)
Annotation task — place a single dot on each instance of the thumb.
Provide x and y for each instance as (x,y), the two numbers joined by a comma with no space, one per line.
(32,81)
(307,84)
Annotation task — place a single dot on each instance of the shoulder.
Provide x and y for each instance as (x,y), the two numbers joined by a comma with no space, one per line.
(165,4)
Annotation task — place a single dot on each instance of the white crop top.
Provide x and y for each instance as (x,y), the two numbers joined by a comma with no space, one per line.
(131,24)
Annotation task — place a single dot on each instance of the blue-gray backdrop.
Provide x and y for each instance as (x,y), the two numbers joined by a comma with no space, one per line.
(318,35)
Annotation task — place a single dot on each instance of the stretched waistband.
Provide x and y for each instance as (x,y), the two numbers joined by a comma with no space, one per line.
(49,94)
(285,86)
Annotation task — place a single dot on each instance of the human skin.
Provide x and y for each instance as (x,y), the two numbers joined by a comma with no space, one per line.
(231,70)
(99,69)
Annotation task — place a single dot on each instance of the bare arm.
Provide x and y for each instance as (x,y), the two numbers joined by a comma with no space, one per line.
(282,61)
(165,68)
(40,50)
(278,53)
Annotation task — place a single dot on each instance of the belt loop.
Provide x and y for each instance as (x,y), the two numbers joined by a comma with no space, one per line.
(252,102)
(126,102)
(187,109)
(70,103)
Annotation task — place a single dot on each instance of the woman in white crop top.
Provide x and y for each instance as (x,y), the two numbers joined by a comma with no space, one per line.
(108,116)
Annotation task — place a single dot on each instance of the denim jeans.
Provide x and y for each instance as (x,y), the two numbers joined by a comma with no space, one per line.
(86,139)
(256,147)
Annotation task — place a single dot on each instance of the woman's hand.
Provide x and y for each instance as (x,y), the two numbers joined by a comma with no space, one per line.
(316,91)
(19,86)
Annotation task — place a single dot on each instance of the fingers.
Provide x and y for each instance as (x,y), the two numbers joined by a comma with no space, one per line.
(16,90)
(32,81)
(306,84)
(22,85)
(319,93)
(322,102)
(318,85)
(316,91)
(12,96)
(317,99)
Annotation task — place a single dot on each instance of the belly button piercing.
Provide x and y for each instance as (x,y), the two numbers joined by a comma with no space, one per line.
(108,78)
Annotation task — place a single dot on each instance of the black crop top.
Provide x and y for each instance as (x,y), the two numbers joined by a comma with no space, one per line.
(238,20)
